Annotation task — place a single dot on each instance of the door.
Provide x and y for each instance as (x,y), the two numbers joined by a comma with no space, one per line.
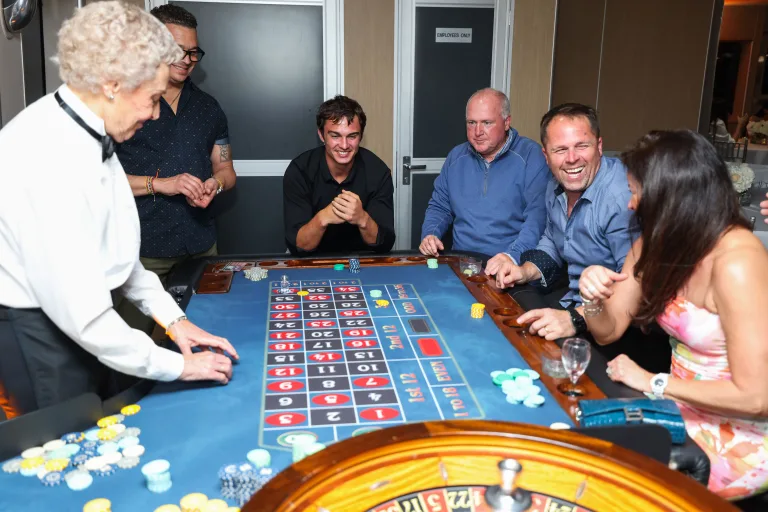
(446,50)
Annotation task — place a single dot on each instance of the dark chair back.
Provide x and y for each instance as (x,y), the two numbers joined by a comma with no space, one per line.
(732,151)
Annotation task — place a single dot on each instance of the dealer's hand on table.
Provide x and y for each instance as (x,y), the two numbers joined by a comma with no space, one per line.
(207,365)
(431,246)
(349,207)
(187,335)
(507,273)
(550,324)
(623,369)
(596,282)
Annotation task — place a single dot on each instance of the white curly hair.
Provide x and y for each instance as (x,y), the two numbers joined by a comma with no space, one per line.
(107,41)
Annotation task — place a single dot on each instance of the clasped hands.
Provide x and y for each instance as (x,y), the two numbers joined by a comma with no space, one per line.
(198,193)
(345,207)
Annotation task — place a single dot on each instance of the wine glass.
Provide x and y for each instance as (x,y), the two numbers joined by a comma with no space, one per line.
(576,354)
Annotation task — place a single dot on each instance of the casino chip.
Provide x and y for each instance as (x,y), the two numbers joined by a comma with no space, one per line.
(113,458)
(73,437)
(216,506)
(375,294)
(338,266)
(78,480)
(106,422)
(354,265)
(382,303)
(128,462)
(477,310)
(559,426)
(56,464)
(133,451)
(52,479)
(106,434)
(168,508)
(193,502)
(432,263)
(98,505)
(132,431)
(118,428)
(130,410)
(13,465)
(33,453)
(303,293)
(54,445)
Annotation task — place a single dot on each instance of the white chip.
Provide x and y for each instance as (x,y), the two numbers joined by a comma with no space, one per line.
(112,458)
(31,453)
(117,429)
(558,425)
(133,451)
(95,463)
(54,445)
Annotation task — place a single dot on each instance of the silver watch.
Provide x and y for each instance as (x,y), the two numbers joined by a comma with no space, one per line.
(659,384)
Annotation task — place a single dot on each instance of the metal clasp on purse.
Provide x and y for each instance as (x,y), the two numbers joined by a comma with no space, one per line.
(633,414)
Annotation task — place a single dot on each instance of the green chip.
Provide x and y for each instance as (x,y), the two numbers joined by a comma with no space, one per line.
(376,294)
(519,373)
(501,378)
(338,266)
(497,372)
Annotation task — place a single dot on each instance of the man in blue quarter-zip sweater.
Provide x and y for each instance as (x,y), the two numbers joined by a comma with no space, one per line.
(491,188)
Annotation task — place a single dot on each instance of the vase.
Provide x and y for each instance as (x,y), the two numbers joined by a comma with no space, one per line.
(745,198)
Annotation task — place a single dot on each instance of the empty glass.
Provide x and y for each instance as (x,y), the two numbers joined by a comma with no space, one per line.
(576,354)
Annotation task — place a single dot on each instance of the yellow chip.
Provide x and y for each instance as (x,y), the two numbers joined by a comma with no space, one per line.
(107,422)
(194,502)
(303,293)
(56,464)
(98,505)
(32,463)
(478,305)
(106,434)
(382,303)
(130,410)
(216,506)
(168,508)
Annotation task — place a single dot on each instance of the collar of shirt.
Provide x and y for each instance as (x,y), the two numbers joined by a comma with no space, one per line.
(81,109)
(592,189)
(325,171)
(511,135)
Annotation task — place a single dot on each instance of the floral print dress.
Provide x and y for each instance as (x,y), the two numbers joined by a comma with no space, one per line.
(737,448)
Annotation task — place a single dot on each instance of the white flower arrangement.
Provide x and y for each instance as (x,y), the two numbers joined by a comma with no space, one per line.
(757,127)
(742,176)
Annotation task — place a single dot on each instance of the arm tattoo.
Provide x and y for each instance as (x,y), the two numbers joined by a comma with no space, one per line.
(225,153)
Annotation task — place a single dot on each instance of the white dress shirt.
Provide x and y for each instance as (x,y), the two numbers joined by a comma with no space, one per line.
(69,234)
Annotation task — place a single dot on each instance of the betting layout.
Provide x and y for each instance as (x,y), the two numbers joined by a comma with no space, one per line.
(340,363)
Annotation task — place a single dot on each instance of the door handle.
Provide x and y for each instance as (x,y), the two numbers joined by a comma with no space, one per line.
(408,167)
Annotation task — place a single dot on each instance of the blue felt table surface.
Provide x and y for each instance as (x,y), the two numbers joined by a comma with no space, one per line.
(200,427)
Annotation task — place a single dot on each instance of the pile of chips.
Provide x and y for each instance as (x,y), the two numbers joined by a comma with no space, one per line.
(198,502)
(78,456)
(478,310)
(305,445)
(518,386)
(354,265)
(241,481)
(432,263)
(158,475)
(255,273)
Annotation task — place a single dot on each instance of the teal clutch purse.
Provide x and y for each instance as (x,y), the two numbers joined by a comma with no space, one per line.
(633,411)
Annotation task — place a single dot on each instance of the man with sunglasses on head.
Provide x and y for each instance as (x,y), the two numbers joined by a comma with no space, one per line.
(177,164)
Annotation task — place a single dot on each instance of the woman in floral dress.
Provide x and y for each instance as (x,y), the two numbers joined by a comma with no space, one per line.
(703,276)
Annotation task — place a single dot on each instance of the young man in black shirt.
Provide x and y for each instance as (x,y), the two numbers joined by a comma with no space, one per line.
(337,198)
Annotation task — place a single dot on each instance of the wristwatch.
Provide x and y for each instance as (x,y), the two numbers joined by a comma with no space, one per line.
(659,384)
(579,324)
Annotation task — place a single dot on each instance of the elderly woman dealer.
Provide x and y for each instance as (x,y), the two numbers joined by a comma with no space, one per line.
(69,230)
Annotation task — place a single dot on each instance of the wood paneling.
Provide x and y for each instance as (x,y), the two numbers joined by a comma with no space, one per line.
(578,40)
(653,66)
(532,47)
(369,53)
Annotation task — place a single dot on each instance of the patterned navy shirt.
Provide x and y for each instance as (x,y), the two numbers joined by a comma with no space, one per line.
(171,145)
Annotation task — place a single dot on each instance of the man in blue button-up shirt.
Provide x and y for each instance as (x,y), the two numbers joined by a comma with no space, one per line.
(588,222)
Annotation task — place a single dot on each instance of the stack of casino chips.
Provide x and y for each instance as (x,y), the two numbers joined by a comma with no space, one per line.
(354,265)
(375,294)
(478,310)
(239,482)
(255,273)
(432,263)
(518,386)
(158,475)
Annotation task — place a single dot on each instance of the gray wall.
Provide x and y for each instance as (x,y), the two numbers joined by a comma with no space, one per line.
(54,14)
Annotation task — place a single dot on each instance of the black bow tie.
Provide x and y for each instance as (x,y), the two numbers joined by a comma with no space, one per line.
(107,143)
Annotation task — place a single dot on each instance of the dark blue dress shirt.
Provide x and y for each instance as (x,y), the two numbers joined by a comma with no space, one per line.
(172,145)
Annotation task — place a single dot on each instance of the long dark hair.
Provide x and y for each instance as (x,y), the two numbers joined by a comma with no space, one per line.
(687,202)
